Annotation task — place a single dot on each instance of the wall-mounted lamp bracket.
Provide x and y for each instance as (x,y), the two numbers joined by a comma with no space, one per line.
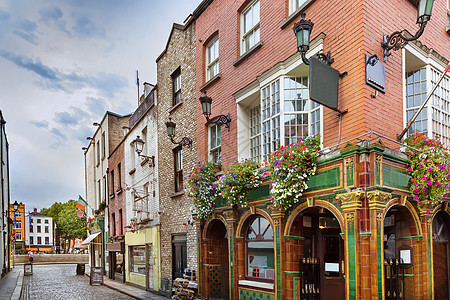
(398,40)
(325,58)
(220,120)
(185,141)
(152,158)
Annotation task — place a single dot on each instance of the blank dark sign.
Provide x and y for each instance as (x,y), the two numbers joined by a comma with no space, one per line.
(323,83)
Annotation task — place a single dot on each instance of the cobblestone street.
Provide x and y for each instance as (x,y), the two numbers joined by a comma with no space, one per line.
(61,282)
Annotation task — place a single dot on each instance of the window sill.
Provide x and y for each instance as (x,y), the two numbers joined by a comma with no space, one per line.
(138,274)
(211,81)
(175,106)
(132,171)
(98,164)
(296,13)
(257,284)
(119,191)
(111,196)
(247,54)
(447,29)
(177,194)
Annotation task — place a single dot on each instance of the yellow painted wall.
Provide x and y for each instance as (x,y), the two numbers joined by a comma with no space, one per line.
(141,238)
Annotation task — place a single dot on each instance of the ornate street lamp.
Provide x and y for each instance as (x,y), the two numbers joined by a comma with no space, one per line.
(185,141)
(302,31)
(15,206)
(139,146)
(398,40)
(206,109)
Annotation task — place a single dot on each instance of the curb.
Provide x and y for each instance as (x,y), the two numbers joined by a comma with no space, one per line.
(19,285)
(116,289)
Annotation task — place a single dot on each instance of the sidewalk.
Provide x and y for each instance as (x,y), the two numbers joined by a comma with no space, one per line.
(131,291)
(11,284)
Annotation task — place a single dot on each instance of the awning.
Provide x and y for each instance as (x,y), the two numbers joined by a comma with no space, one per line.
(90,238)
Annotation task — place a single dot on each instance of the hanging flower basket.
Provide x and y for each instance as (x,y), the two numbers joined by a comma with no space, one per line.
(429,168)
(202,188)
(291,167)
(238,179)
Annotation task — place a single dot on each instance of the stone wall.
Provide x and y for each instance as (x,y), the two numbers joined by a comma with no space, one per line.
(175,207)
(53,258)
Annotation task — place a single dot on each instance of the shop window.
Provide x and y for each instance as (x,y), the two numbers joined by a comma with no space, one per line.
(250,26)
(137,259)
(212,59)
(215,142)
(176,86)
(178,168)
(260,254)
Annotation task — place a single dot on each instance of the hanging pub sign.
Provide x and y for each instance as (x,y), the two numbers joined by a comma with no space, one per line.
(323,84)
(375,73)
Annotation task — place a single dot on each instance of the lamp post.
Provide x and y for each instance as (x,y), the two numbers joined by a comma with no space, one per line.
(139,146)
(398,40)
(302,30)
(206,110)
(185,141)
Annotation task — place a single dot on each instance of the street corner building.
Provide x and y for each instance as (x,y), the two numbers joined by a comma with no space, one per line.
(357,232)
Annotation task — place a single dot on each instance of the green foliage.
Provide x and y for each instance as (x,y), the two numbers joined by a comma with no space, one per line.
(238,179)
(68,224)
(290,167)
(429,168)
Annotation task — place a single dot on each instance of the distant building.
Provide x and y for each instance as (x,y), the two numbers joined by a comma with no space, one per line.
(39,232)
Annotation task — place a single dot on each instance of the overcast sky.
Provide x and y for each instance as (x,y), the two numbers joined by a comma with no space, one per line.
(63,63)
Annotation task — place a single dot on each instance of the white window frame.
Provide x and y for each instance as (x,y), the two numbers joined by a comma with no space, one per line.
(295,4)
(212,150)
(251,32)
(176,87)
(212,58)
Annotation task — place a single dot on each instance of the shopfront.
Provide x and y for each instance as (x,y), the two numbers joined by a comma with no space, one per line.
(142,258)
(356,234)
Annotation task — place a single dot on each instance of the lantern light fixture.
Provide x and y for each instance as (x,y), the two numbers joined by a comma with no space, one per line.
(185,141)
(398,39)
(139,147)
(302,30)
(15,206)
(206,110)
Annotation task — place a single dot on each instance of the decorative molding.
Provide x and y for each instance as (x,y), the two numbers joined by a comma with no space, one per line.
(378,197)
(350,218)
(354,197)
(349,162)
(230,215)
(380,219)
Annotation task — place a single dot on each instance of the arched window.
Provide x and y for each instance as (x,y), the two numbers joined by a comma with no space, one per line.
(259,249)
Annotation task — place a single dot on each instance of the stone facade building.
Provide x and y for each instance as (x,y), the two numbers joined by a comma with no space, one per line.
(341,240)
(108,135)
(177,100)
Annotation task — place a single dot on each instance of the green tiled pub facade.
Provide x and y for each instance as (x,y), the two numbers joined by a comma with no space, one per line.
(356,215)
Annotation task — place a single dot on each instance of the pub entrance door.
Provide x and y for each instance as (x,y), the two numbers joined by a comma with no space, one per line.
(179,255)
(324,245)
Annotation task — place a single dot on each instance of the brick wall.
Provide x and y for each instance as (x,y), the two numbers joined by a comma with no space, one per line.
(175,208)
(353,29)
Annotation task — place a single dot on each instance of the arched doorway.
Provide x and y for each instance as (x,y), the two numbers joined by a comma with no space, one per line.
(441,255)
(321,254)
(400,232)
(216,261)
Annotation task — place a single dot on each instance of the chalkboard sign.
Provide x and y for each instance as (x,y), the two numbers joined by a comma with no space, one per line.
(96,275)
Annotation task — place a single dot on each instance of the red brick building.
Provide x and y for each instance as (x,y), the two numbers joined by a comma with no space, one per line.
(248,63)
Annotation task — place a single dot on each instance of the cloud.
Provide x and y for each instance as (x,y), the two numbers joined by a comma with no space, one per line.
(84,27)
(107,84)
(95,105)
(40,124)
(35,66)
(65,118)
(53,16)
(4,16)
(58,134)
(73,117)
(26,30)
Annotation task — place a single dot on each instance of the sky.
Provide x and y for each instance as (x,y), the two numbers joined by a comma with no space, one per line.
(63,64)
